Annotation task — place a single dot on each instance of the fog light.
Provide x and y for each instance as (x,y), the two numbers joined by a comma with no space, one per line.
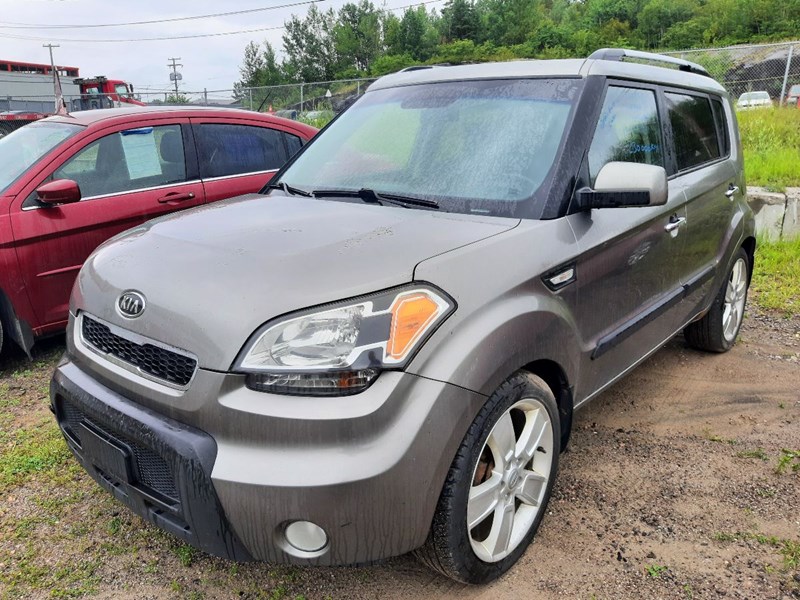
(306,536)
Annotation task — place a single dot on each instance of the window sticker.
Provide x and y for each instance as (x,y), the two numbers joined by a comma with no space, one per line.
(141,153)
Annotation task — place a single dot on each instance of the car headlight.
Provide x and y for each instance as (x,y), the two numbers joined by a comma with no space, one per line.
(342,348)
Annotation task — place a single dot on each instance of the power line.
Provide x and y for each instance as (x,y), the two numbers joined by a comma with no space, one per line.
(11,25)
(178,37)
(150,39)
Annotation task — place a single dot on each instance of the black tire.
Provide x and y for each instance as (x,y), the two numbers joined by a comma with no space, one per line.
(708,333)
(449,548)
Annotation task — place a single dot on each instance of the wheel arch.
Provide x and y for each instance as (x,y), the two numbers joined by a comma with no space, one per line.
(556,379)
(14,328)
(749,245)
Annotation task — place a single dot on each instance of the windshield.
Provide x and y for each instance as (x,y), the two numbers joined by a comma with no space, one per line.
(483,147)
(23,147)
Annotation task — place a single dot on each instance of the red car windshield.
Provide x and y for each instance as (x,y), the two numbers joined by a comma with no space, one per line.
(22,148)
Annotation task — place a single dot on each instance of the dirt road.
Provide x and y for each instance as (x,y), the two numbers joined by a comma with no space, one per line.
(669,490)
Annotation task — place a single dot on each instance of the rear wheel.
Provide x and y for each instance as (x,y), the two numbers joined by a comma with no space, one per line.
(498,485)
(717,330)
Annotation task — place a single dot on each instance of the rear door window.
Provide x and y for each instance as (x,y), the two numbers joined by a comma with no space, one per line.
(628,130)
(229,149)
(693,129)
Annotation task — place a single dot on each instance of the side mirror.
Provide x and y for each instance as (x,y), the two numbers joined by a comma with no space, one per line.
(59,191)
(626,184)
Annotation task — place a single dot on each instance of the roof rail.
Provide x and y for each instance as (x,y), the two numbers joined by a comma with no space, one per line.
(423,67)
(620,54)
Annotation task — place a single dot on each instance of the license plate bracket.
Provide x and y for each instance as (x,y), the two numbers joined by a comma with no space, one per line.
(109,455)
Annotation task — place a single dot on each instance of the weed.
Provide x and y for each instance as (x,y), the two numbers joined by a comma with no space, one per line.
(151,566)
(114,525)
(766,492)
(789,459)
(278,593)
(185,554)
(788,549)
(656,571)
(719,439)
(687,589)
(757,453)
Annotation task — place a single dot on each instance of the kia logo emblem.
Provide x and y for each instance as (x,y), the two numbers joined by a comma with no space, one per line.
(130,304)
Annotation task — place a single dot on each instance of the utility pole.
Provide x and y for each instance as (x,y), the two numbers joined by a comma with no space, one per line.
(61,106)
(50,47)
(175,76)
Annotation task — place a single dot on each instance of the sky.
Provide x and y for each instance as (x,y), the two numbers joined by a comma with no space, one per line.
(210,63)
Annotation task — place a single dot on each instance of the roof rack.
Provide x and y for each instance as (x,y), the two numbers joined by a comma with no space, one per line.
(423,67)
(620,54)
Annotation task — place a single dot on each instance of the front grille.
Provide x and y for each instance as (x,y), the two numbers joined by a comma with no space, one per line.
(151,470)
(153,360)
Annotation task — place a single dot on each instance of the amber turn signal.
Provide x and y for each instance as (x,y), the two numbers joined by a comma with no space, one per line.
(412,315)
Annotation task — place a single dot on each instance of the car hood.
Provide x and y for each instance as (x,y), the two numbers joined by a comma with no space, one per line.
(212,275)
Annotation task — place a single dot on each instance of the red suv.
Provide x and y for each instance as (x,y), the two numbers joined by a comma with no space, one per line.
(67,184)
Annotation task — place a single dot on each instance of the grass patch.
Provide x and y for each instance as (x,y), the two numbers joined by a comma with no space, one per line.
(776,277)
(771,143)
(29,451)
(788,549)
(655,571)
(63,580)
(757,453)
(185,554)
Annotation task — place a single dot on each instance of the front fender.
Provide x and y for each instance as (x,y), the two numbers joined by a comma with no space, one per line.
(480,350)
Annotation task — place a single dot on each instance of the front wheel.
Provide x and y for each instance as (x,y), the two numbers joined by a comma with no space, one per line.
(498,485)
(717,330)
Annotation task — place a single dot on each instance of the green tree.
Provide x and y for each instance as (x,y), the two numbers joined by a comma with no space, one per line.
(459,21)
(659,15)
(357,35)
(310,46)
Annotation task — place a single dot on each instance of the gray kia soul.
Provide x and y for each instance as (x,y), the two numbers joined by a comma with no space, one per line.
(382,352)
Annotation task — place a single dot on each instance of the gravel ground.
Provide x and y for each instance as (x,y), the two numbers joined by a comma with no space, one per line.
(669,490)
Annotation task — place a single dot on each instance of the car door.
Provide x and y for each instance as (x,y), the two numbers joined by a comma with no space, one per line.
(628,281)
(707,174)
(127,175)
(239,156)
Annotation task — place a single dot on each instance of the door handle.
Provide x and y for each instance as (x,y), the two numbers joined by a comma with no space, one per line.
(176,197)
(732,191)
(674,224)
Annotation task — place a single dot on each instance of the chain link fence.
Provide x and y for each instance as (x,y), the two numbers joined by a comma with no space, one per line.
(771,68)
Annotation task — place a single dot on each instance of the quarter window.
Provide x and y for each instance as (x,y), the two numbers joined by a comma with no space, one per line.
(128,160)
(293,143)
(628,130)
(236,149)
(722,126)
(693,130)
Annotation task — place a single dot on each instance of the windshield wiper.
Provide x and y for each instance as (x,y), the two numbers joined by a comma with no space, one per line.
(373,197)
(285,187)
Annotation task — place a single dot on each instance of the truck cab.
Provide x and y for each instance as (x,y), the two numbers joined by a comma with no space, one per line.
(101,92)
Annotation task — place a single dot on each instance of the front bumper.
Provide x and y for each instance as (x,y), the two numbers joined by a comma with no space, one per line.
(370,482)
(158,467)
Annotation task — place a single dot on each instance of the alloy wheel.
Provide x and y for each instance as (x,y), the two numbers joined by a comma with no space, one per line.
(510,480)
